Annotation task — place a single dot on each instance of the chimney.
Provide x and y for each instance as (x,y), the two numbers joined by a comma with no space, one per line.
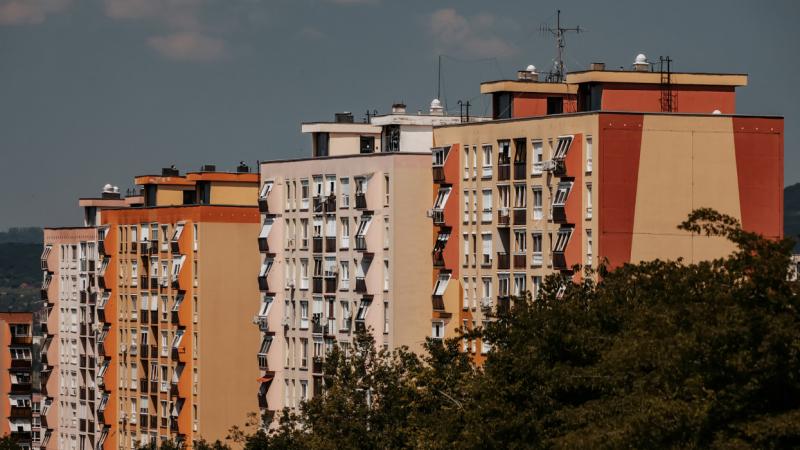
(597,66)
(343,117)
(170,172)
(242,168)
(640,64)
(208,168)
(399,108)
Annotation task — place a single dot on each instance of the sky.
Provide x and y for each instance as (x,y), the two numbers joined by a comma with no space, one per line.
(98,91)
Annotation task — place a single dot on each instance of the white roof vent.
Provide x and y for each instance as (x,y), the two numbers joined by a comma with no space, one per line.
(116,189)
(640,64)
(716,111)
(436,108)
(531,68)
(108,188)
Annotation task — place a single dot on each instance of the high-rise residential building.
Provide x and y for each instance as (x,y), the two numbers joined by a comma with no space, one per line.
(600,168)
(343,247)
(16,395)
(68,400)
(176,279)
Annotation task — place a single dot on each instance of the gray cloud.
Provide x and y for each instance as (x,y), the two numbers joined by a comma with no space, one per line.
(472,36)
(29,12)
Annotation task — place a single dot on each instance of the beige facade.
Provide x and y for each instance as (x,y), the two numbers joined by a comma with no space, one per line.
(341,249)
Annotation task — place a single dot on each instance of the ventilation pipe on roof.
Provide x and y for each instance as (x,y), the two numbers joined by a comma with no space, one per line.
(640,64)
(399,108)
(529,74)
(436,108)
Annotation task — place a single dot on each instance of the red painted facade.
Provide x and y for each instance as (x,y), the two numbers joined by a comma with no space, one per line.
(759,167)
(533,104)
(619,149)
(686,99)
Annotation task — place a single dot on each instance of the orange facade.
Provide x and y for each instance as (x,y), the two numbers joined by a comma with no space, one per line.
(15,376)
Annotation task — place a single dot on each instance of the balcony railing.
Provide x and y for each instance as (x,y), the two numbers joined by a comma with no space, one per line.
(361,200)
(438,174)
(361,285)
(330,244)
(503,218)
(519,171)
(361,243)
(502,261)
(503,172)
(519,260)
(438,216)
(22,340)
(520,216)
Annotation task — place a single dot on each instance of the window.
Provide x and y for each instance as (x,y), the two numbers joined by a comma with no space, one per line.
(474,205)
(589,248)
(303,352)
(466,162)
(588,200)
(176,341)
(519,284)
(486,241)
(536,240)
(304,314)
(437,329)
(502,105)
(439,155)
(266,227)
(486,171)
(537,203)
(386,189)
(441,284)
(441,197)
(304,274)
(367,144)
(346,316)
(266,266)
(385,317)
(519,196)
(502,192)
(520,242)
(265,190)
(303,233)
(321,141)
(486,215)
(502,285)
(304,194)
(538,158)
(474,161)
(537,284)
(465,290)
(363,226)
(386,235)
(385,274)
(363,308)
(344,241)
(330,185)
(503,152)
(562,239)
(588,154)
(344,275)
(560,199)
(465,246)
(562,147)
(345,194)
(466,206)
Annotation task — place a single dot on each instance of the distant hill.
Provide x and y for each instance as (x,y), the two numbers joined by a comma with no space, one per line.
(24,235)
(791,213)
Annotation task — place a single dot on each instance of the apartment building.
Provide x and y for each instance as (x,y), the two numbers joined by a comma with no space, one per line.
(600,168)
(175,279)
(341,248)
(68,401)
(16,341)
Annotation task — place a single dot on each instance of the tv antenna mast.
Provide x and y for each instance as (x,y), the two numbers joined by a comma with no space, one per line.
(558,73)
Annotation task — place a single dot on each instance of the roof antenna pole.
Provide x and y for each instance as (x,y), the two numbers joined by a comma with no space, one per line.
(439,80)
(558,74)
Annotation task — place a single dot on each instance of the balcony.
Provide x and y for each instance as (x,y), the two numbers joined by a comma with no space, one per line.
(21,340)
(316,365)
(21,388)
(503,261)
(361,285)
(316,324)
(329,204)
(361,244)
(263,246)
(503,172)
(262,361)
(175,246)
(519,260)
(438,174)
(520,215)
(263,205)
(503,218)
(20,412)
(438,303)
(153,283)
(20,363)
(316,285)
(101,248)
(44,294)
(438,216)
(361,200)
(330,245)
(316,246)
(519,171)
(144,247)
(262,322)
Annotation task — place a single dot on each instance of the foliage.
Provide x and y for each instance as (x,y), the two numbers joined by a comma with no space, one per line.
(660,354)
(19,265)
(8,443)
(23,235)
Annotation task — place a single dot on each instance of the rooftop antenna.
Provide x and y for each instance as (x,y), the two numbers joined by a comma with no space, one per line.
(557,75)
(439,80)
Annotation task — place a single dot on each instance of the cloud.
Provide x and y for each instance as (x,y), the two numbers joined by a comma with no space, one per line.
(29,12)
(468,36)
(354,2)
(189,46)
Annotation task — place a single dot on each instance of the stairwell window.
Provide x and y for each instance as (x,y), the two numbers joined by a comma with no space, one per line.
(562,238)
(564,142)
(441,284)
(560,199)
(538,158)
(589,152)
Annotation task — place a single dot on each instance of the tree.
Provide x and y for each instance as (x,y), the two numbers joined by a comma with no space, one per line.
(8,443)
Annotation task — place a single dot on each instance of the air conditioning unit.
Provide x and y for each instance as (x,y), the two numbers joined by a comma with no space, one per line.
(549,165)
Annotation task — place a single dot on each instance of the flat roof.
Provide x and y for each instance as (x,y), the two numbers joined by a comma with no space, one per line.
(166,180)
(349,155)
(242,177)
(339,127)
(541,87)
(632,76)
(588,113)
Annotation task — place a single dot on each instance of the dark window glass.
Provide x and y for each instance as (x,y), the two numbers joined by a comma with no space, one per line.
(321,144)
(555,105)
(503,105)
(367,144)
